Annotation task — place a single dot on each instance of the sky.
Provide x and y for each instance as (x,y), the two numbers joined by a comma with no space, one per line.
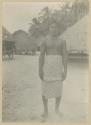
(18,15)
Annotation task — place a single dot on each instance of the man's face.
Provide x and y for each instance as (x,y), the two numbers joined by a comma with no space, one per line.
(53,29)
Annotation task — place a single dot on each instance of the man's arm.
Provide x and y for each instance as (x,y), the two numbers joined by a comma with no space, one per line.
(64,58)
(41,60)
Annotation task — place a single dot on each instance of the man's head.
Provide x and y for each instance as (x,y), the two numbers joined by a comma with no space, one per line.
(54,29)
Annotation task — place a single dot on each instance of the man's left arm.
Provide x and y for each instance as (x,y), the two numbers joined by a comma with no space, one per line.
(64,57)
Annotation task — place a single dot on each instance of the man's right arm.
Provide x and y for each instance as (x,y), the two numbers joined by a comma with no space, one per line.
(41,60)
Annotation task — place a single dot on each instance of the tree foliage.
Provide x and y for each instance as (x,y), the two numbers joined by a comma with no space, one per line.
(64,18)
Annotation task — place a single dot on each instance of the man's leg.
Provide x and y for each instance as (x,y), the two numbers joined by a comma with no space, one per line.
(45,104)
(57,104)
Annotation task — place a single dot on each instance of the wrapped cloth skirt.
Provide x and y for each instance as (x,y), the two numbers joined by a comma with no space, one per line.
(52,84)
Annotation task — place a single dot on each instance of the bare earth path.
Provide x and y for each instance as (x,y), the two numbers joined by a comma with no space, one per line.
(22,92)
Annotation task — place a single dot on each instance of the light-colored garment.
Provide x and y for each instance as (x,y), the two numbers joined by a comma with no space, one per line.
(52,83)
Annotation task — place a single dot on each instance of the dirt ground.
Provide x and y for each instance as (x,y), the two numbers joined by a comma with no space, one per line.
(22,92)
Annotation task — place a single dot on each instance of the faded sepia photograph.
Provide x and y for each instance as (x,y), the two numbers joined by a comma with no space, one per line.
(45,61)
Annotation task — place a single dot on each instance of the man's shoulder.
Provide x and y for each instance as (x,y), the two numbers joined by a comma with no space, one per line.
(46,39)
(43,43)
(62,41)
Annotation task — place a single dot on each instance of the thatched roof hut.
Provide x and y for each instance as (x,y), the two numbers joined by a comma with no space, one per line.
(76,36)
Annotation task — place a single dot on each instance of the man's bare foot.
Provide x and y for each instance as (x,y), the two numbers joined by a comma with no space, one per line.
(44,117)
(59,113)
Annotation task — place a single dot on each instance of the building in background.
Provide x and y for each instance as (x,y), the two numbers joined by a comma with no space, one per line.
(76,36)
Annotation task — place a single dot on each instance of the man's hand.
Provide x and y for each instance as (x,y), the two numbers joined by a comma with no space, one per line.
(63,76)
(41,75)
